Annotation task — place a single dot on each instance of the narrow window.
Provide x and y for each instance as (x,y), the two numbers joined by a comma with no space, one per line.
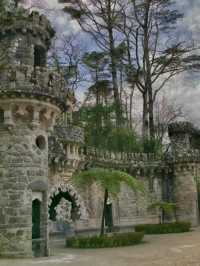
(1,116)
(36,213)
(39,56)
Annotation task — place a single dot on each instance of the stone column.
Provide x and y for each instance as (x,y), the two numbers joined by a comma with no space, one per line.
(185,193)
(183,165)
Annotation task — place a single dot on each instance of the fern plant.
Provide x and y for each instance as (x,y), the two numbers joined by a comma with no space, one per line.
(110,180)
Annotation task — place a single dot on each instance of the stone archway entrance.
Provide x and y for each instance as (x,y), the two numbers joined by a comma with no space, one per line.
(65,208)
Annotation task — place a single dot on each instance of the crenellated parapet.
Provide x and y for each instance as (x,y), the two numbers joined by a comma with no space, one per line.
(177,128)
(185,139)
(41,83)
(25,23)
(180,135)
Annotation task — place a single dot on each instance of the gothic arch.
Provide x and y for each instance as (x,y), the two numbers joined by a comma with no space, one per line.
(81,212)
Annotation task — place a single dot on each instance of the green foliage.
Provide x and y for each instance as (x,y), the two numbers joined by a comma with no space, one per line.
(167,228)
(108,179)
(101,132)
(151,146)
(115,240)
(123,140)
(92,119)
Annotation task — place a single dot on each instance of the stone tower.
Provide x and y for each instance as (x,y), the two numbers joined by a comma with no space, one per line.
(31,97)
(184,167)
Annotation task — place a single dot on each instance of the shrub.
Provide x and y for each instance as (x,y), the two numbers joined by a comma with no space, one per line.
(105,241)
(152,146)
(167,228)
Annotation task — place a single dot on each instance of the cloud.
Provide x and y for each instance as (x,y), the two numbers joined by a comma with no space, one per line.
(185,88)
(53,10)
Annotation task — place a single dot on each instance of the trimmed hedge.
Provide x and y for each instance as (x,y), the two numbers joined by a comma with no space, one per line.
(106,241)
(167,228)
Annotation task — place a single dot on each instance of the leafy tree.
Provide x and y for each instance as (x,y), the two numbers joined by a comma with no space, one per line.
(152,145)
(96,133)
(98,18)
(151,62)
(97,64)
(110,181)
(123,140)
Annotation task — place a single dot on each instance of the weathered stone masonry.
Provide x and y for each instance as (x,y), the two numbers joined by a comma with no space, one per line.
(37,160)
(31,97)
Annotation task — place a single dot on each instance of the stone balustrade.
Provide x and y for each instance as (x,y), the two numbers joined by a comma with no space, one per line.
(92,153)
(128,158)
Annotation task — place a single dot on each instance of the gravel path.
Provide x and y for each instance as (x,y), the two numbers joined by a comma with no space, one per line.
(162,250)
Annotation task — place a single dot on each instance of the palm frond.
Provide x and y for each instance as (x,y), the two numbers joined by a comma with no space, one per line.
(108,179)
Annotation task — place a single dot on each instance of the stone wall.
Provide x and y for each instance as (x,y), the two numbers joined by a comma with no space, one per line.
(129,208)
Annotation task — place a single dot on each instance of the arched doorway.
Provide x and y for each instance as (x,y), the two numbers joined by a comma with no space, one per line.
(36,219)
(67,201)
(36,228)
(65,209)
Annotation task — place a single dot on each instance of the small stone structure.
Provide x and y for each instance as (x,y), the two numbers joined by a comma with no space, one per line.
(40,149)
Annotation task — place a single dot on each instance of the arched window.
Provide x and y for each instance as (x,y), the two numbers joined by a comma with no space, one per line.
(39,56)
(1,116)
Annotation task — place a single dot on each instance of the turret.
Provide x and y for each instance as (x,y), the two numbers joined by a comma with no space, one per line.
(31,97)
(180,135)
(183,166)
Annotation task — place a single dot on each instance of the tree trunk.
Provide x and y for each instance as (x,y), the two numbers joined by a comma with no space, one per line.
(131,110)
(104,212)
(147,67)
(145,123)
(114,68)
(151,114)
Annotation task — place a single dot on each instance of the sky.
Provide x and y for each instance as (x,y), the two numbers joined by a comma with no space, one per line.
(183,89)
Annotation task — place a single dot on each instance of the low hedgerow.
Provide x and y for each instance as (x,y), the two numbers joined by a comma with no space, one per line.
(166,228)
(106,241)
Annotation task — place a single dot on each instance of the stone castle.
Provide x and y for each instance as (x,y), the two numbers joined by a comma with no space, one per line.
(40,149)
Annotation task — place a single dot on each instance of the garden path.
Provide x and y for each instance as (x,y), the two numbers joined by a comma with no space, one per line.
(160,250)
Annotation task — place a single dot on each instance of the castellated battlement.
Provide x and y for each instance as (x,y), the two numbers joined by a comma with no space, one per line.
(26,23)
(34,82)
(180,127)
